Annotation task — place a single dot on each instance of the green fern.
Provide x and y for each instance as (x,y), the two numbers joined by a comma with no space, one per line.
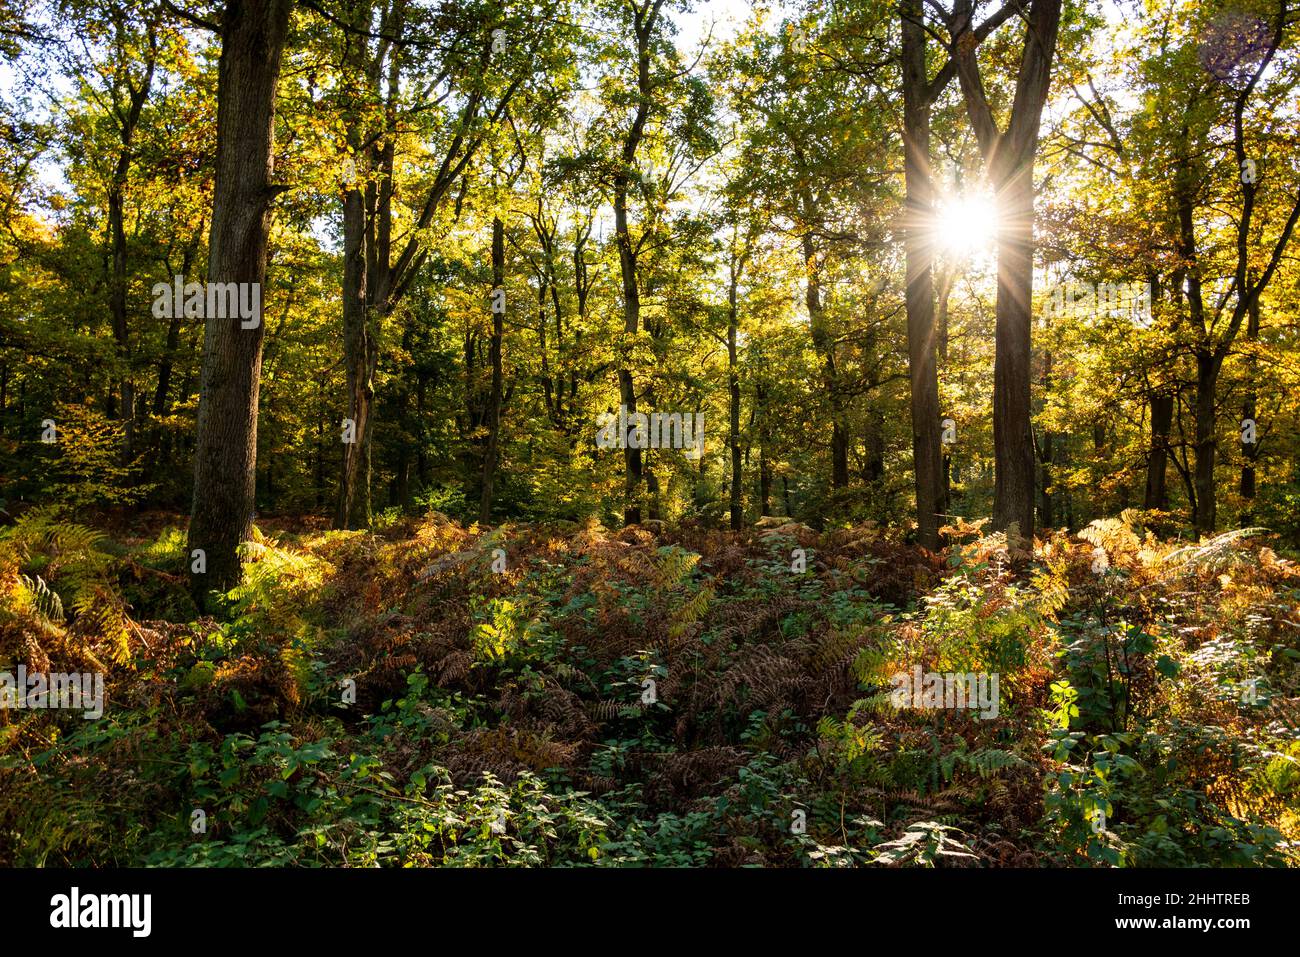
(45,601)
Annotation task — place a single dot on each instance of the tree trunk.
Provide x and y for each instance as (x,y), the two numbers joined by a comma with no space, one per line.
(117,280)
(927,450)
(225,455)
(1162,416)
(1250,451)
(1009,157)
(360,354)
(494,358)
(1207,382)
(1046,507)
(1013,444)
(824,344)
(733,388)
(645,21)
(631,324)
(764,462)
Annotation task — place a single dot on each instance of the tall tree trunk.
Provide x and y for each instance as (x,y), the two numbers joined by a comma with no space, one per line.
(646,19)
(494,358)
(874,441)
(1046,508)
(764,441)
(1162,417)
(1250,451)
(225,455)
(1207,384)
(824,344)
(360,354)
(631,318)
(1009,158)
(733,390)
(117,280)
(927,450)
(1013,444)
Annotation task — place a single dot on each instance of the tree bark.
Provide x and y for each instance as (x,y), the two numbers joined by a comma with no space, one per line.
(1207,383)
(1250,452)
(1013,444)
(128,122)
(927,450)
(1009,159)
(360,354)
(733,390)
(645,21)
(1162,417)
(225,455)
(824,343)
(490,453)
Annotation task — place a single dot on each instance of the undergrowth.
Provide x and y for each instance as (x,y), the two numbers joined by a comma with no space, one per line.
(431,694)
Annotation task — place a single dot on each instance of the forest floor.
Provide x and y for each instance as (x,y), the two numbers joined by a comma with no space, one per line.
(431,694)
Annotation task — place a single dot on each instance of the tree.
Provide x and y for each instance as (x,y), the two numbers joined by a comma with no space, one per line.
(1009,162)
(253,34)
(919,94)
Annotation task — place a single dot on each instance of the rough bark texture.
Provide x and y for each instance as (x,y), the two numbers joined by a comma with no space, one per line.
(225,455)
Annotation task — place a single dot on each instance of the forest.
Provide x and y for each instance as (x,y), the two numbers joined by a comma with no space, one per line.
(649,433)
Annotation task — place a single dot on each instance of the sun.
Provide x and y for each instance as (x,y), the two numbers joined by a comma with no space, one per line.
(966,224)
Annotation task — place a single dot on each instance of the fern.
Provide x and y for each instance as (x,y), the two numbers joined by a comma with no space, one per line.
(990,761)
(1213,555)
(44,601)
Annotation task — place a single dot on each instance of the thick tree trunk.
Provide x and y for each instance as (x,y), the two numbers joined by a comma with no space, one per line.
(873,466)
(1009,157)
(225,455)
(117,303)
(1013,444)
(1162,417)
(927,450)
(631,324)
(360,275)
